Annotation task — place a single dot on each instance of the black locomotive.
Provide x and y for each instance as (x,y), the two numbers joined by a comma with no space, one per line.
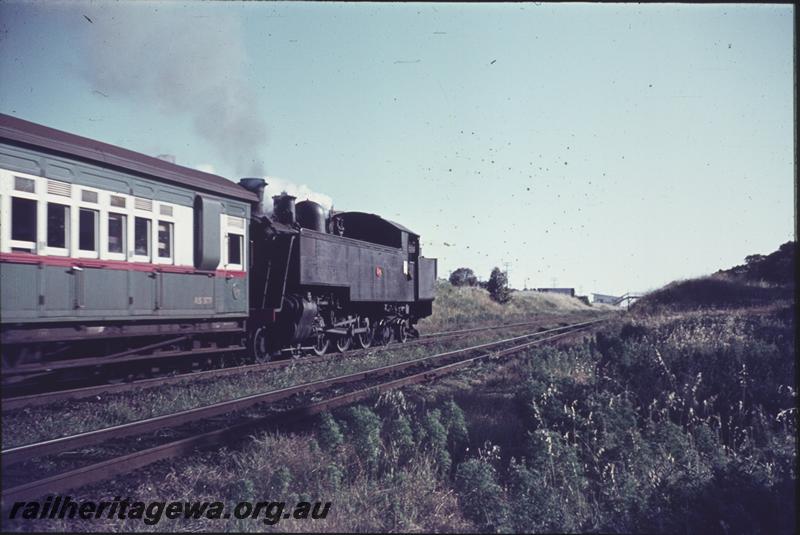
(351,277)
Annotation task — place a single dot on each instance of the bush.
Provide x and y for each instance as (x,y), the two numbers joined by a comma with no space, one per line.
(456,425)
(364,428)
(329,435)
(434,439)
(463,277)
(775,268)
(400,440)
(498,286)
(482,499)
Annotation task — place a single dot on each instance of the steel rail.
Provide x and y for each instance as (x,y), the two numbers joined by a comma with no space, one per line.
(44,398)
(505,325)
(124,464)
(24,373)
(29,451)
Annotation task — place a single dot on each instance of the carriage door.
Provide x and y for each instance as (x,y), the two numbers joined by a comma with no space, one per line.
(234,295)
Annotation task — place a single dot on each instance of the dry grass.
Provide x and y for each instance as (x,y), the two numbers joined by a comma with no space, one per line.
(290,468)
(464,306)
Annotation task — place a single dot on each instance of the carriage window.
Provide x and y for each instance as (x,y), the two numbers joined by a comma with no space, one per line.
(57,218)
(164,239)
(141,238)
(87,230)
(23,219)
(235,249)
(116,233)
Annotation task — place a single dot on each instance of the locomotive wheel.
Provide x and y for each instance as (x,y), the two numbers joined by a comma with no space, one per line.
(365,339)
(258,346)
(386,333)
(401,332)
(343,343)
(321,344)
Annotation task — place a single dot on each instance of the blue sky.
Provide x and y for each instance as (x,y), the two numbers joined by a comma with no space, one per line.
(606,147)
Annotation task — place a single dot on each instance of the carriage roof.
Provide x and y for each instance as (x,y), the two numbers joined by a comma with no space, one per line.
(21,132)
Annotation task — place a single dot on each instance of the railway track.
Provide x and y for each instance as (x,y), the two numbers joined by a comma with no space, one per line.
(30,376)
(19,398)
(98,455)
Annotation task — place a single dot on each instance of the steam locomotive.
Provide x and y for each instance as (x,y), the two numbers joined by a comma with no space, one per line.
(108,255)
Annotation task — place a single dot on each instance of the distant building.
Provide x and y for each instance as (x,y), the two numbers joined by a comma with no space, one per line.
(605,299)
(565,291)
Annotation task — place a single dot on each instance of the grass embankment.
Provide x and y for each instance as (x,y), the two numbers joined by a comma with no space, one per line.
(761,281)
(712,292)
(661,424)
(468,306)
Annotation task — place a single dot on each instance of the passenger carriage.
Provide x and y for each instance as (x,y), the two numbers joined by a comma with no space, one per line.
(99,242)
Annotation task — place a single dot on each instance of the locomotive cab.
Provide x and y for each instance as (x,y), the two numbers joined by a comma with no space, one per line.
(374,229)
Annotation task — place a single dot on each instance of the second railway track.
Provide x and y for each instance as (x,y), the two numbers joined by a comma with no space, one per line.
(24,478)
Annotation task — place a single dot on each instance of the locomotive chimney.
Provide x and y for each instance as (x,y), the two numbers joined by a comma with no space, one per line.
(283,208)
(256,185)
